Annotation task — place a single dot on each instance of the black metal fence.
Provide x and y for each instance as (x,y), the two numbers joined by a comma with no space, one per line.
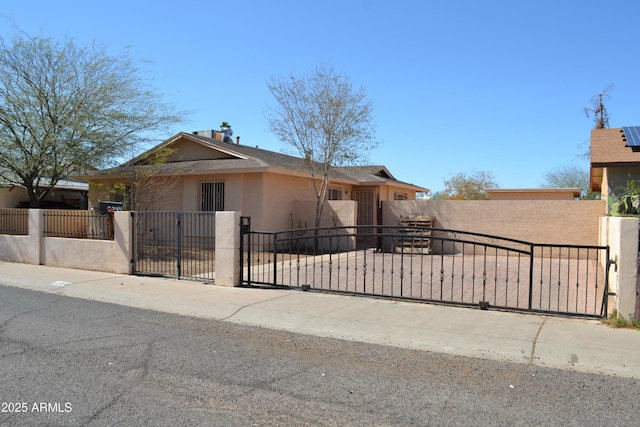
(177,244)
(428,264)
(78,224)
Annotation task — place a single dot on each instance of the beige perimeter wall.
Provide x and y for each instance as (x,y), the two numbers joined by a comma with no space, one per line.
(568,222)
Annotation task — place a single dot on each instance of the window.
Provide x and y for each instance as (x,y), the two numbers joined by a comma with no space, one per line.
(400,196)
(211,197)
(334,193)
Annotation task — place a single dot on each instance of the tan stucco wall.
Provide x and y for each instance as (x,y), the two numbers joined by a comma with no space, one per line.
(252,196)
(387,192)
(538,221)
(279,196)
(621,235)
(335,213)
(78,253)
(16,249)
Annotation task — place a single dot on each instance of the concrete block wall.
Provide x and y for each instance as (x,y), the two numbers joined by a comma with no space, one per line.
(538,221)
(112,256)
(621,235)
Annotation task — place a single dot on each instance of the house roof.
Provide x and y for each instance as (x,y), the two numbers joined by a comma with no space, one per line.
(233,158)
(609,148)
(375,175)
(61,184)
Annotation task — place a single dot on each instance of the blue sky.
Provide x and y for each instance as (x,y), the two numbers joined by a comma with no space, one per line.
(456,86)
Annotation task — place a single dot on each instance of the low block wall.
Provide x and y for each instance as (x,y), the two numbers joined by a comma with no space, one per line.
(15,248)
(111,256)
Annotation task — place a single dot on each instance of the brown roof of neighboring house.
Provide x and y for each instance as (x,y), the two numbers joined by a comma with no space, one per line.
(609,148)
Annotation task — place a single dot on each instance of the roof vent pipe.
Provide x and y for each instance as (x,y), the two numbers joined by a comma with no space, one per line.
(237,140)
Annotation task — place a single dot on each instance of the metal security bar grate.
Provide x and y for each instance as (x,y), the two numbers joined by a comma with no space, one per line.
(211,196)
(180,244)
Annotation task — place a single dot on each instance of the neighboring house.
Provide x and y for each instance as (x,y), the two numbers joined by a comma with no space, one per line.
(66,194)
(615,159)
(211,172)
(533,193)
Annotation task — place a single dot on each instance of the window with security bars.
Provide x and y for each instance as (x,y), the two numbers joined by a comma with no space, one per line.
(400,196)
(334,193)
(211,196)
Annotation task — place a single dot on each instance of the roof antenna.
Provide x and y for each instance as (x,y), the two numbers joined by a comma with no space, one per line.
(598,109)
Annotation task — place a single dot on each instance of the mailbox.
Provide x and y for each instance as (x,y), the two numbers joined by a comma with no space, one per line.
(109,207)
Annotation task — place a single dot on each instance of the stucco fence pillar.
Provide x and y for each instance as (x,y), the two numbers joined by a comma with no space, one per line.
(621,234)
(227,248)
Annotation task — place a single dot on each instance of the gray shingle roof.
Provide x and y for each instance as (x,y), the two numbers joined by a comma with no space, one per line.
(242,157)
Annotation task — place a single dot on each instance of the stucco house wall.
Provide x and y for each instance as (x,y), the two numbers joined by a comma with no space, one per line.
(617,180)
(335,213)
(11,196)
(280,193)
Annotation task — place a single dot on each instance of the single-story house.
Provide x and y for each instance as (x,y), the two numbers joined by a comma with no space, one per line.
(208,171)
(615,159)
(66,194)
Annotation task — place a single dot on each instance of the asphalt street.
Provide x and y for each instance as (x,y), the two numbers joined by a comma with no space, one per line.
(73,362)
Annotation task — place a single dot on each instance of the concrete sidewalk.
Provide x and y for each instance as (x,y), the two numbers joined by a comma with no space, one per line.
(576,344)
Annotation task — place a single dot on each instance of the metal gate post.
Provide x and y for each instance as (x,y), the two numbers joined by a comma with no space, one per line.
(275,258)
(604,310)
(531,250)
(245,230)
(134,249)
(178,245)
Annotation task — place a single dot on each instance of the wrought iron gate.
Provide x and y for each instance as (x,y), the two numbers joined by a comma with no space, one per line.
(428,264)
(176,244)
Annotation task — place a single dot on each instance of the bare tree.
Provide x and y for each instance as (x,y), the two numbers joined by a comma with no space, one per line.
(65,109)
(142,185)
(326,120)
(570,176)
(462,186)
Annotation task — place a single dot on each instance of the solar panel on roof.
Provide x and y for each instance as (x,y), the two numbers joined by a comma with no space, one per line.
(632,135)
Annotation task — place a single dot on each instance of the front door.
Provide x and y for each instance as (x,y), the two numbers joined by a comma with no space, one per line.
(366,206)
